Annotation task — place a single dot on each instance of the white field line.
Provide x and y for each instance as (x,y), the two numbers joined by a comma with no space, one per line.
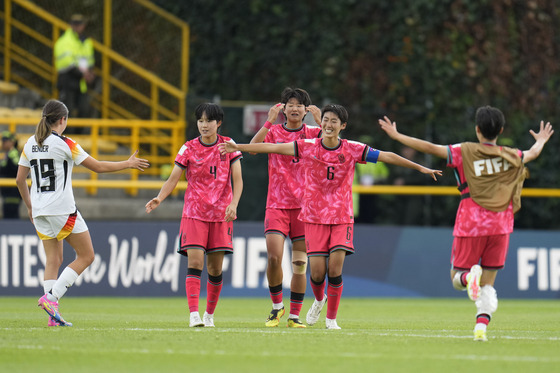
(441,334)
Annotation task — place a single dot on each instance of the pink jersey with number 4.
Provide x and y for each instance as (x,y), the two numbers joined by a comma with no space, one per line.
(285,173)
(209,176)
(329,174)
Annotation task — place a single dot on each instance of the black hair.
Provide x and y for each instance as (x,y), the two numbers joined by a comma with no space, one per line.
(212,111)
(490,121)
(299,94)
(339,110)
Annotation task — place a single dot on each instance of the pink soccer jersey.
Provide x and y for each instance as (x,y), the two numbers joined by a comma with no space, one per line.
(209,176)
(473,220)
(328,180)
(285,174)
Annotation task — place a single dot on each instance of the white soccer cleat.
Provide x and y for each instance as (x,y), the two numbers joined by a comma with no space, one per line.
(195,320)
(473,282)
(331,324)
(315,310)
(208,320)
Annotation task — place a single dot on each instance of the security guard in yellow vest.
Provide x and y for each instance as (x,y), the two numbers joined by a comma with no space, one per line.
(74,60)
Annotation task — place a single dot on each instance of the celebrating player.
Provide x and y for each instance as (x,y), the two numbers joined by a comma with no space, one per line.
(50,204)
(490,179)
(209,210)
(327,202)
(285,189)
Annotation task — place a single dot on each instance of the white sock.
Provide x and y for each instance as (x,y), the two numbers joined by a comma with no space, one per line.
(292,316)
(48,285)
(66,279)
(480,326)
(277,306)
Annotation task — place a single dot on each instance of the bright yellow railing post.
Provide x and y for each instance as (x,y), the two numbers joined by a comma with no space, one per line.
(105,61)
(134,146)
(7,39)
(95,154)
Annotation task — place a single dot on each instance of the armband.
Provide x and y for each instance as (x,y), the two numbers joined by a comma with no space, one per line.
(372,155)
(267,125)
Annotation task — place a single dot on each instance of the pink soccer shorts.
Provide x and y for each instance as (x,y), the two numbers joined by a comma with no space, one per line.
(323,239)
(490,251)
(204,235)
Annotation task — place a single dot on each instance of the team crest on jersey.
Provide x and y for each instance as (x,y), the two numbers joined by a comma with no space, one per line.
(222,157)
(341,158)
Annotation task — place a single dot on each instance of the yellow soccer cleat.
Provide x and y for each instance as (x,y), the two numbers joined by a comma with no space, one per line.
(480,336)
(274,317)
(295,323)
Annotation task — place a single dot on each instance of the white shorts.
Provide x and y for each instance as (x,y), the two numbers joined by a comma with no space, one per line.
(59,226)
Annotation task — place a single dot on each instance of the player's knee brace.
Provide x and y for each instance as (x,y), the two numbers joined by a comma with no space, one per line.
(299,262)
(457,284)
(487,303)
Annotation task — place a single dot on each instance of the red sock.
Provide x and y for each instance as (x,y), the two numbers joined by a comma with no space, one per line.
(276,293)
(192,286)
(318,289)
(483,319)
(464,278)
(334,292)
(296,301)
(213,289)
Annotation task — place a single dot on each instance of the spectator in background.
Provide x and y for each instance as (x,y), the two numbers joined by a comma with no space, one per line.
(74,60)
(367,174)
(8,169)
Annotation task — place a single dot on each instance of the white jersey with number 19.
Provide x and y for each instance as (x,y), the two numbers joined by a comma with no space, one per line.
(51,173)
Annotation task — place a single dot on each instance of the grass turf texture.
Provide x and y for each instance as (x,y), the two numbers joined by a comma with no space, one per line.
(382,335)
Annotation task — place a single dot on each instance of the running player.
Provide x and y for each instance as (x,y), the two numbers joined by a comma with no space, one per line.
(283,205)
(490,179)
(327,201)
(209,210)
(50,203)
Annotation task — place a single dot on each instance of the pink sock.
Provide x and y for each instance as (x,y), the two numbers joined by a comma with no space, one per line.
(192,286)
(213,290)
(334,293)
(318,289)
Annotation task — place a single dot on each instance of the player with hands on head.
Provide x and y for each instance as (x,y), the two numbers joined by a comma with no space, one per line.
(283,205)
(326,207)
(214,188)
(50,201)
(490,178)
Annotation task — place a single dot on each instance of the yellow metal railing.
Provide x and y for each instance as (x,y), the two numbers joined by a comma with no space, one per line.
(45,70)
(134,139)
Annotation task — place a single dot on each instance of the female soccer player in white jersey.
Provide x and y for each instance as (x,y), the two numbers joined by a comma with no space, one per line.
(50,202)
(327,201)
(210,208)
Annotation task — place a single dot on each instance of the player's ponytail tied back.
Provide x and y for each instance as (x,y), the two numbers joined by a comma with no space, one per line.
(53,111)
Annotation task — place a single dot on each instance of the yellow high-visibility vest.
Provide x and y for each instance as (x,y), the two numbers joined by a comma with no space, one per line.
(70,51)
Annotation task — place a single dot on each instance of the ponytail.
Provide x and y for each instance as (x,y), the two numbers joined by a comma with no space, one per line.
(53,111)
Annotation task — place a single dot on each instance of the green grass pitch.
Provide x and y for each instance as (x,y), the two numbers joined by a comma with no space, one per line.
(378,335)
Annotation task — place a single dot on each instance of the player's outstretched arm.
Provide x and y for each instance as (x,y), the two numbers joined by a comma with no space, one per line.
(392,158)
(231,146)
(541,138)
(420,145)
(166,189)
(108,166)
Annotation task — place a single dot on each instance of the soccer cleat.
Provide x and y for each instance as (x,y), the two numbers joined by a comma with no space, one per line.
(53,322)
(51,308)
(295,323)
(208,320)
(331,324)
(473,282)
(274,317)
(480,335)
(195,320)
(315,310)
